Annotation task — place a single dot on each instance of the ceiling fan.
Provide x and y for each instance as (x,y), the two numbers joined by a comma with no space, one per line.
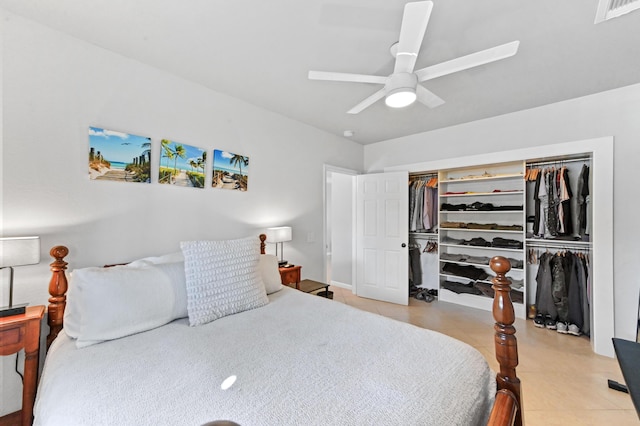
(402,87)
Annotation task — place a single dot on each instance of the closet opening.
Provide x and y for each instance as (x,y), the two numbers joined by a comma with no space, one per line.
(576,226)
(559,244)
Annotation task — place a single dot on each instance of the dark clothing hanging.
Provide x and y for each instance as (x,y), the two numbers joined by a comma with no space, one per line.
(574,291)
(559,287)
(537,206)
(583,194)
(415,266)
(544,300)
(562,289)
(552,204)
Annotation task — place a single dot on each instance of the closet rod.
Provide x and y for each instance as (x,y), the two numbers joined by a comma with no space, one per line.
(556,162)
(423,236)
(560,244)
(423,175)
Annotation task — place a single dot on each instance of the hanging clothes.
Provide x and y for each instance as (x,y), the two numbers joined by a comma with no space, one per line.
(423,204)
(584,225)
(415,267)
(563,291)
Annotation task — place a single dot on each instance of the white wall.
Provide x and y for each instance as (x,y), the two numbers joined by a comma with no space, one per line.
(613,113)
(55,86)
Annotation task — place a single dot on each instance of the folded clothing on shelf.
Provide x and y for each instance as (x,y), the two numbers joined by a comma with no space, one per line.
(449,240)
(500,242)
(453,225)
(489,226)
(487,290)
(459,288)
(453,207)
(478,206)
(477,242)
(497,242)
(466,271)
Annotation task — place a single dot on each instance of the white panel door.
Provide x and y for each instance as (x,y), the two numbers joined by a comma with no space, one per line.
(382,231)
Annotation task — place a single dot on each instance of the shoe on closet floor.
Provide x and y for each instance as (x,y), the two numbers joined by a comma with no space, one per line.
(561,327)
(538,321)
(574,330)
(549,322)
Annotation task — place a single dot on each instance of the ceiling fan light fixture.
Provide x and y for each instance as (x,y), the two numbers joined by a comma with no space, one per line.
(401,97)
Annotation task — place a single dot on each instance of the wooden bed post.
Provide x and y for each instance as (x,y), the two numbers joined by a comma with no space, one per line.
(57,289)
(506,345)
(263,238)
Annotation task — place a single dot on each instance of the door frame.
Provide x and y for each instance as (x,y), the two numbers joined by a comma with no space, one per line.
(327,170)
(601,150)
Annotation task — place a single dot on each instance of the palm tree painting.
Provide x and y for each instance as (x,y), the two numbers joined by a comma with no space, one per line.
(177,164)
(230,171)
(119,156)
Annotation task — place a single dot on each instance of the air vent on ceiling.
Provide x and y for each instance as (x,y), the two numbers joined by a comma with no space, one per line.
(608,9)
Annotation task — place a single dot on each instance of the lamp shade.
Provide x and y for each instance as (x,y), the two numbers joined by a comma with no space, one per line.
(279,234)
(18,251)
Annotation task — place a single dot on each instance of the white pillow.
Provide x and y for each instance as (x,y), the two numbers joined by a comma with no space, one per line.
(270,273)
(155,260)
(109,303)
(222,278)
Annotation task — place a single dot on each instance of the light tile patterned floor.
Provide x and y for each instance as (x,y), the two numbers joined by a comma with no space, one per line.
(564,382)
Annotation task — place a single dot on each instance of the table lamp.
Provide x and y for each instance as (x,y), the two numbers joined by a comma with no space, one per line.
(277,235)
(17,251)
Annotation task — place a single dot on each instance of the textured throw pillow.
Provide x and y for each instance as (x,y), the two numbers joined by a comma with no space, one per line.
(270,273)
(222,278)
(110,303)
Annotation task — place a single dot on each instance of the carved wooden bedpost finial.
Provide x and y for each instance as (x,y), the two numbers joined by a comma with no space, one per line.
(57,289)
(506,345)
(263,238)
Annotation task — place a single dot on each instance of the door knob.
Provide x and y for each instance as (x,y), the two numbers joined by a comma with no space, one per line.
(404,245)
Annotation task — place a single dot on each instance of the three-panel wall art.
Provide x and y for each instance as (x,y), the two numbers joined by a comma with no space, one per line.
(124,157)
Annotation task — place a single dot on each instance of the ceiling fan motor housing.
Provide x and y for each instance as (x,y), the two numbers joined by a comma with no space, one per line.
(401,80)
(400,89)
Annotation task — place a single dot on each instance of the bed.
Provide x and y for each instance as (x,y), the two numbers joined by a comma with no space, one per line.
(294,359)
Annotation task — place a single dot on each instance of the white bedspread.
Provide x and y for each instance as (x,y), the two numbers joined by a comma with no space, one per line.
(300,360)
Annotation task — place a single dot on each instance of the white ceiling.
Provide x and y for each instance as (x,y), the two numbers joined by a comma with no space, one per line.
(260,51)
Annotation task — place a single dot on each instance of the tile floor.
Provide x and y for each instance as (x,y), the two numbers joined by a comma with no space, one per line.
(563,381)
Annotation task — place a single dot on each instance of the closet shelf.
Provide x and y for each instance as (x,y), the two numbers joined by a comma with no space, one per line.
(494,231)
(541,242)
(423,234)
(474,296)
(483,178)
(481,247)
(483,194)
(474,212)
(476,264)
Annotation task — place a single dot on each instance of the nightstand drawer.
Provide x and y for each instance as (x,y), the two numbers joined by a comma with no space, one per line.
(11,336)
(290,275)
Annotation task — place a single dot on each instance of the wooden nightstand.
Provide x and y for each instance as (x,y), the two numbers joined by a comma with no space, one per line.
(23,332)
(291,275)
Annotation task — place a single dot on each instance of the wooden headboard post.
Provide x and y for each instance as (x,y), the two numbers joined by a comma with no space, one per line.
(263,238)
(506,345)
(57,289)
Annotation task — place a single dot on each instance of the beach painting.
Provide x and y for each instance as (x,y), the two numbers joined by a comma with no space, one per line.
(119,156)
(181,165)
(230,171)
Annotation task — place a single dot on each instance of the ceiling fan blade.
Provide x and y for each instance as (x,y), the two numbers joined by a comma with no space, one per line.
(368,102)
(346,77)
(469,61)
(427,97)
(414,24)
